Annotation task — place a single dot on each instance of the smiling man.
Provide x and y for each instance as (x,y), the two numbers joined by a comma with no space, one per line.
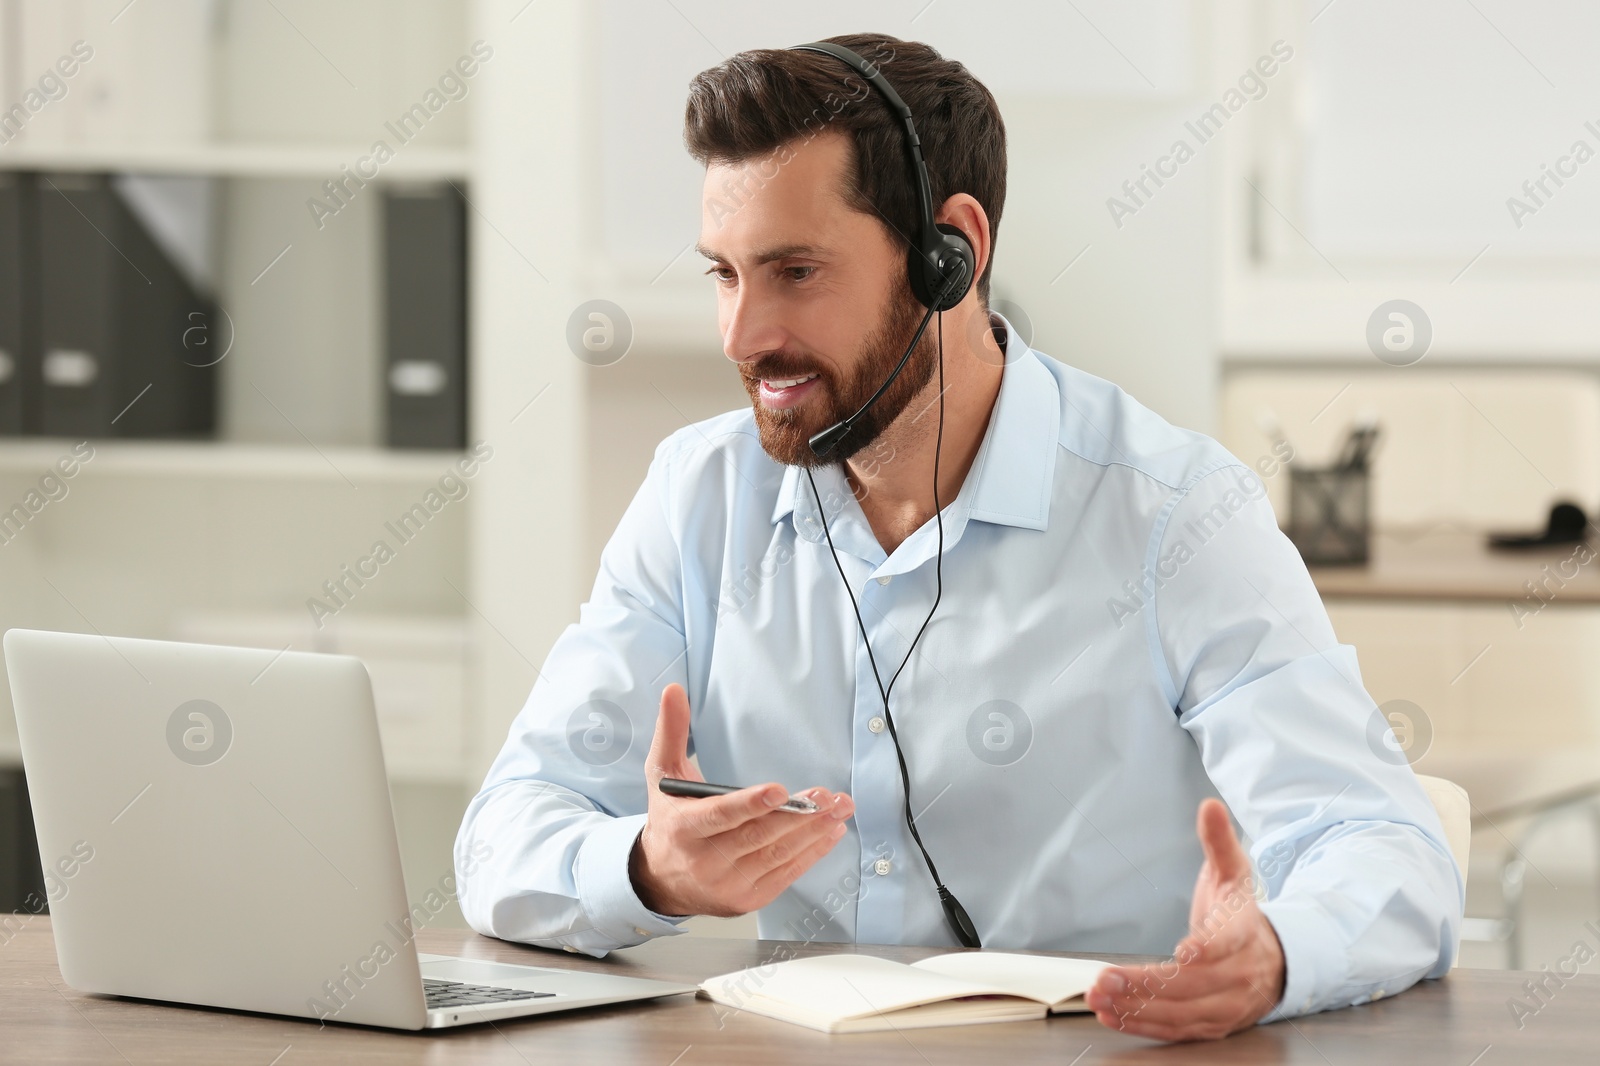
(1020,638)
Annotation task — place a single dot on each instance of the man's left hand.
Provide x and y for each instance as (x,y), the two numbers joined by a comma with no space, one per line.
(1224,976)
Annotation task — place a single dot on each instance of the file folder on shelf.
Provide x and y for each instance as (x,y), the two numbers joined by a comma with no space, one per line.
(425,317)
(16,303)
(116,347)
(22,887)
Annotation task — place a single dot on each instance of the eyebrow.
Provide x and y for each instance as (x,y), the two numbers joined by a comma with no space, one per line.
(769,255)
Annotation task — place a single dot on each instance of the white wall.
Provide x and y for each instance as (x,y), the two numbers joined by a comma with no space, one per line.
(650,188)
(1137,307)
(1423,118)
(529,509)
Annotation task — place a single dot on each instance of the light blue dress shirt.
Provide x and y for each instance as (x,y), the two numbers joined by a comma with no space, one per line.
(1124,632)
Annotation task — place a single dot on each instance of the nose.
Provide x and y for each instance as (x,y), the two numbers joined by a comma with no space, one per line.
(751,325)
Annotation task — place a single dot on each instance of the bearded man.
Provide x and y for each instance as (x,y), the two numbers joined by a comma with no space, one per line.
(1026,644)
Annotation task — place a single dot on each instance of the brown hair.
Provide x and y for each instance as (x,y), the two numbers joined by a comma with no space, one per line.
(758,101)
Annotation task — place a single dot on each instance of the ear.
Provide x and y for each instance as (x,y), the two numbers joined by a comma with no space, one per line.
(964,212)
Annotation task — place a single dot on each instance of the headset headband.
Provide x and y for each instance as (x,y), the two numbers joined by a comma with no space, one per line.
(941,254)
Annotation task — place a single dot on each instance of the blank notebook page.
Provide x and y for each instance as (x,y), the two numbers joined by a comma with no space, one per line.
(1041,977)
(847,986)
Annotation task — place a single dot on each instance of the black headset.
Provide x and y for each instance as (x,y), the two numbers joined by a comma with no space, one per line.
(941,267)
(940,261)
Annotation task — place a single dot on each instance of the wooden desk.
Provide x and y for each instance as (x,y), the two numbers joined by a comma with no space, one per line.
(1449,1022)
(1456,565)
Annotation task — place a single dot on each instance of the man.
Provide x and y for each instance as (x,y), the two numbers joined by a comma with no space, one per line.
(1122,633)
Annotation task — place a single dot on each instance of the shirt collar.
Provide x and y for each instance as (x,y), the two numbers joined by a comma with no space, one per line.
(1013,475)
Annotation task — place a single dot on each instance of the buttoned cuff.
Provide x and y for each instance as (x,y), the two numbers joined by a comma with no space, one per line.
(605,891)
(1313,956)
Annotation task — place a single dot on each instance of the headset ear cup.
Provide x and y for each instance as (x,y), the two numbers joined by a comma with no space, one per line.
(951,251)
(962,249)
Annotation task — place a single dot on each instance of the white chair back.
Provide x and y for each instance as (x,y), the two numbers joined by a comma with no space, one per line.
(1450,800)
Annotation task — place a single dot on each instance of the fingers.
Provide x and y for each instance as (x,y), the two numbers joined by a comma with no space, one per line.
(707,855)
(1142,984)
(1223,850)
(1161,1009)
(786,873)
(1209,1018)
(799,846)
(669,748)
(1196,1003)
(759,833)
(715,815)
(714,870)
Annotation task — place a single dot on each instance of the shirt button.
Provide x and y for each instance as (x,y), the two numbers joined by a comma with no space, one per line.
(569,947)
(876,725)
(885,579)
(882,867)
(641,932)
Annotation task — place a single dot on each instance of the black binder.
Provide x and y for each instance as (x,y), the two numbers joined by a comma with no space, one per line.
(425,316)
(16,303)
(115,349)
(22,886)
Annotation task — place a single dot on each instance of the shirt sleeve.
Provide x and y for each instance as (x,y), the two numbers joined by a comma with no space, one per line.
(1356,873)
(542,853)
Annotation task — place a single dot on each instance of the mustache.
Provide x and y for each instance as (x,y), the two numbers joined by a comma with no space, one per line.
(782,365)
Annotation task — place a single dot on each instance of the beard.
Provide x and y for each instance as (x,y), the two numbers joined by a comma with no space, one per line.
(786,432)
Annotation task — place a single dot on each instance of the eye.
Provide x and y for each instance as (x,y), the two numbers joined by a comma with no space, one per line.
(799,273)
(724,275)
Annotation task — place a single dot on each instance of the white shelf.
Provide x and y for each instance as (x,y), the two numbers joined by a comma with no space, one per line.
(261,160)
(223,459)
(1294,320)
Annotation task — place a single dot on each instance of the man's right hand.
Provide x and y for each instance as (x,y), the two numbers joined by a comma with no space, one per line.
(723,855)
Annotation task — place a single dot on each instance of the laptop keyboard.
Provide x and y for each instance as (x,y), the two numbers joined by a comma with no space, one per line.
(457,994)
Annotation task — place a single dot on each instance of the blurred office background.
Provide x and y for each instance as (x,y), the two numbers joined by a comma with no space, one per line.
(339,325)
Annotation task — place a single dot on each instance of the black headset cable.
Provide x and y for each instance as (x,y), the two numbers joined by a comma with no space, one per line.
(955,914)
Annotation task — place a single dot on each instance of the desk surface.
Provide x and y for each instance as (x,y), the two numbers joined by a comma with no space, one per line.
(1456,565)
(1447,1022)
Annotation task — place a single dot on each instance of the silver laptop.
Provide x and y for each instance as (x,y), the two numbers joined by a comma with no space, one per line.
(215,829)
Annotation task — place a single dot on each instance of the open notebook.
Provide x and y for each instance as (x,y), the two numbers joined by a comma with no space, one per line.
(863,993)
